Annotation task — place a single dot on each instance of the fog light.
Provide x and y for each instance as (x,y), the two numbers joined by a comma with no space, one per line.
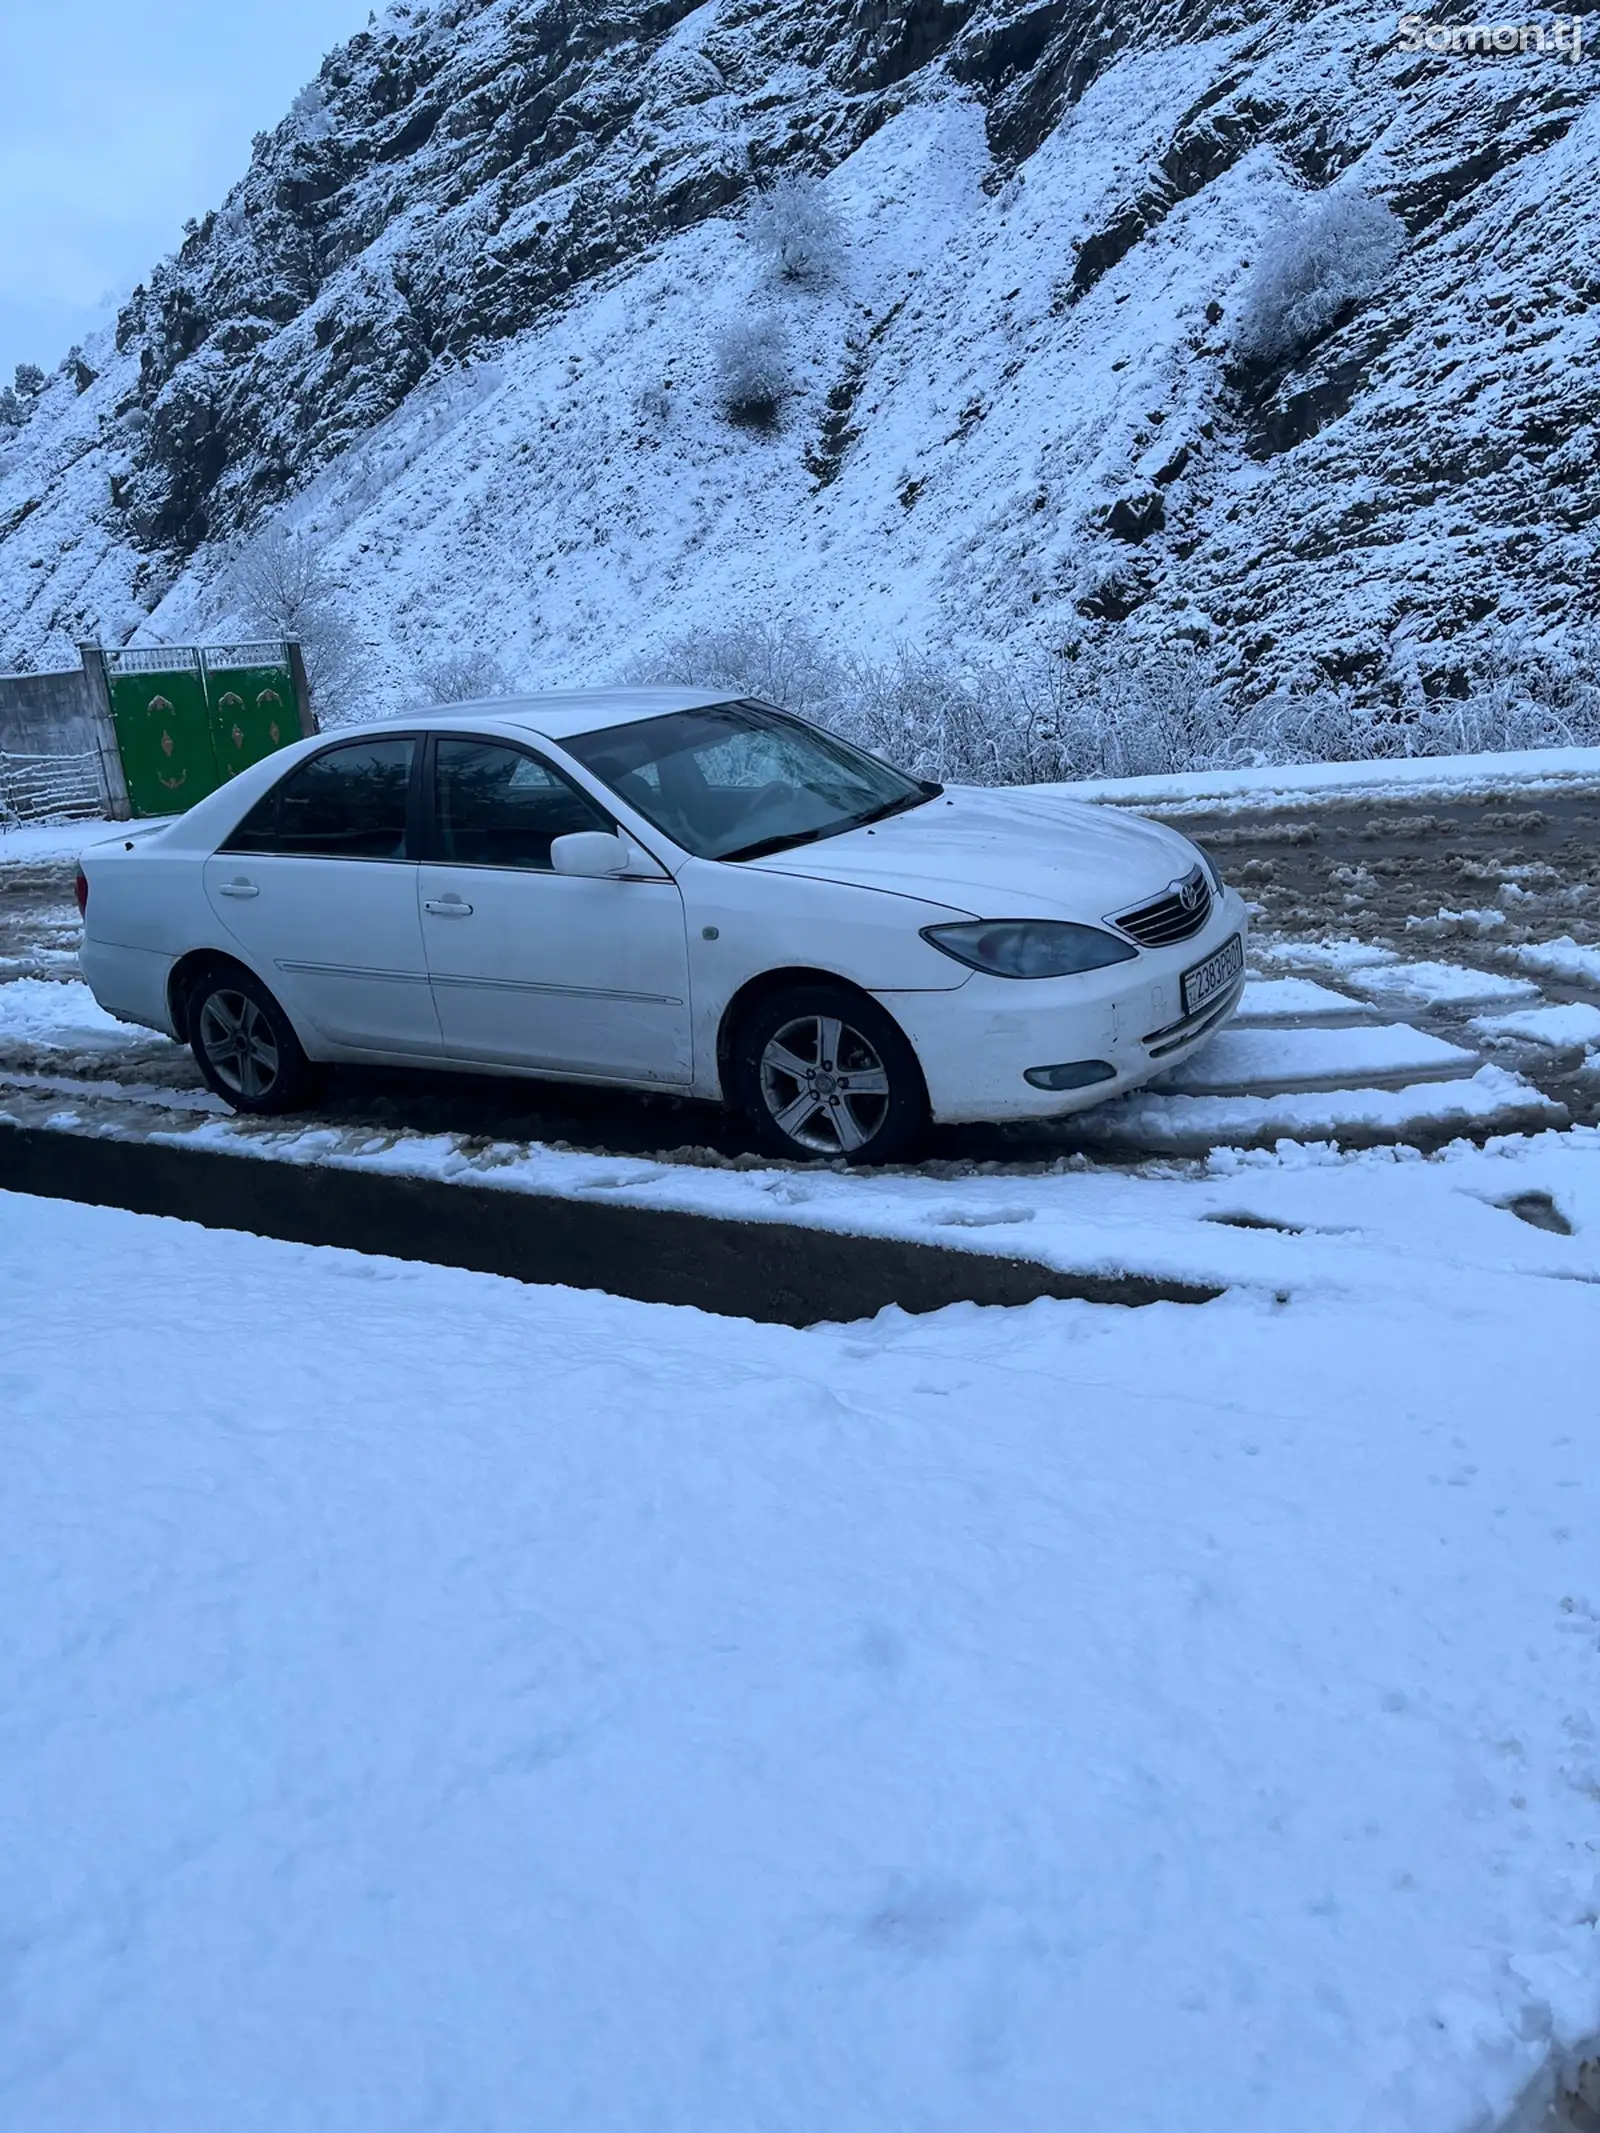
(1078,1074)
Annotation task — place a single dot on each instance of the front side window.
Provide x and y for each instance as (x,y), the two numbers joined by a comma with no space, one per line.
(347,803)
(736,780)
(497,807)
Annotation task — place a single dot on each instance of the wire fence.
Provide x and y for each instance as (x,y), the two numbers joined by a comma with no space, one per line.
(51,788)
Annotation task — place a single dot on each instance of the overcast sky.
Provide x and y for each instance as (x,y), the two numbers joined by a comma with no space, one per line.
(118,118)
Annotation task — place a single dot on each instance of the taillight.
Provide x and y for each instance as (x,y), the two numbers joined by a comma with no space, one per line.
(80,889)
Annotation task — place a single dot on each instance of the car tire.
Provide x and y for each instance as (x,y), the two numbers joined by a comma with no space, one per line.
(821,1072)
(244,1044)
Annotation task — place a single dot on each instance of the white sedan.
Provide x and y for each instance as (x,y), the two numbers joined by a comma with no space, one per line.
(663,889)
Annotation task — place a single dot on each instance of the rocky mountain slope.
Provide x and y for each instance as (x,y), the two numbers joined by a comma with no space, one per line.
(459,326)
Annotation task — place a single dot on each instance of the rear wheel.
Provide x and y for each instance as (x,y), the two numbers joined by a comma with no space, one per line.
(245,1046)
(823,1071)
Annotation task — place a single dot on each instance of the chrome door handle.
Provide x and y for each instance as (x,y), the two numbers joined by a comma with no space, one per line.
(451,907)
(237,888)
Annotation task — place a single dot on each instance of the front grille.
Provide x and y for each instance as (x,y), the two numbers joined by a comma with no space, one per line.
(1177,916)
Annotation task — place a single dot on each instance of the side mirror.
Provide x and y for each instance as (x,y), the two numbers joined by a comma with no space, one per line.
(593,852)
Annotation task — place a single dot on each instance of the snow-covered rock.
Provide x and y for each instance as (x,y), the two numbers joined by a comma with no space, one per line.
(459,322)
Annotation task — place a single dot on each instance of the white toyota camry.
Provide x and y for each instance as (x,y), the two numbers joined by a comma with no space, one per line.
(663,889)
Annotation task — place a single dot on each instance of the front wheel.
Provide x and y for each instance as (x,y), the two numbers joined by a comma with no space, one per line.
(823,1071)
(245,1044)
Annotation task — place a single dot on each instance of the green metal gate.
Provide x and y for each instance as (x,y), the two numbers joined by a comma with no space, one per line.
(187,719)
(251,695)
(163,727)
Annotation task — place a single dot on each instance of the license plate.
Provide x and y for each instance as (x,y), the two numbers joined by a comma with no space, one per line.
(1214,975)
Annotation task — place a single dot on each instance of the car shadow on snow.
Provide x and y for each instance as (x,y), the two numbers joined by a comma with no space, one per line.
(513,1108)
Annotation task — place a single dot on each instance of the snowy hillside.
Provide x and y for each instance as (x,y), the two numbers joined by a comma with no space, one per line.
(461,325)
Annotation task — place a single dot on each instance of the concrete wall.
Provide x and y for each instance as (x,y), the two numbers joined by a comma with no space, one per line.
(47,714)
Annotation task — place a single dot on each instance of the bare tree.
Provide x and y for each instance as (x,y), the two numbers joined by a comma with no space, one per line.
(464,677)
(280,583)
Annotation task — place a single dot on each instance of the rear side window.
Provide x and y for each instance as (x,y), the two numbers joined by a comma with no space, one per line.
(497,807)
(347,803)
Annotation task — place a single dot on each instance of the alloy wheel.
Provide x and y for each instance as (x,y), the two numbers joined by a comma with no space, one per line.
(239,1043)
(824,1084)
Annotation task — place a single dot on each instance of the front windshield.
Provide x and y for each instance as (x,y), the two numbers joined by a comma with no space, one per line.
(736,780)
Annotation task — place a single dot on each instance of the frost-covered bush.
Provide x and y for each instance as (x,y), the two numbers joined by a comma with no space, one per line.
(28,379)
(1113,708)
(795,228)
(463,677)
(14,410)
(280,584)
(782,662)
(1331,252)
(752,369)
(999,719)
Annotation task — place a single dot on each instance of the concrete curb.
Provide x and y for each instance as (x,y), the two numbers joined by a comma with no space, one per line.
(772,1272)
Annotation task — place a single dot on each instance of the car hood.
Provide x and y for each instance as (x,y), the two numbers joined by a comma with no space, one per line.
(1011,853)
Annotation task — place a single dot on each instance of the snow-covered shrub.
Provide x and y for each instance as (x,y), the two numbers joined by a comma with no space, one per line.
(998,719)
(1330,252)
(781,662)
(796,229)
(14,410)
(462,677)
(1528,685)
(1519,694)
(280,584)
(28,380)
(1111,707)
(752,367)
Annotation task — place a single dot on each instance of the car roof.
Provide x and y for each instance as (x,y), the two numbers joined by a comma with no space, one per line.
(558,713)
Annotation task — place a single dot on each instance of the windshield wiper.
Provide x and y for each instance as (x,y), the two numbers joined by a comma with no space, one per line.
(928,791)
(786,843)
(791,838)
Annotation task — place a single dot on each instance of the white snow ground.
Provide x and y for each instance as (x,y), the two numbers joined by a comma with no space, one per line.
(1572,1022)
(1454,777)
(62,1014)
(1565,958)
(436,1702)
(1438,984)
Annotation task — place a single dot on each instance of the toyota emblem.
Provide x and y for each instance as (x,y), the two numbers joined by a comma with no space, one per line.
(1192,893)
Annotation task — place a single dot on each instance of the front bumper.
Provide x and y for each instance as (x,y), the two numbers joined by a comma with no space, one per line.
(976,1042)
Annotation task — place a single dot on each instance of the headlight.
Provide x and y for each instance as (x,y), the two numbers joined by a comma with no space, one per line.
(1028,947)
(1208,863)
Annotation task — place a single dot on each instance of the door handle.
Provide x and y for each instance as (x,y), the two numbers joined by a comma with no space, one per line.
(237,888)
(449,907)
